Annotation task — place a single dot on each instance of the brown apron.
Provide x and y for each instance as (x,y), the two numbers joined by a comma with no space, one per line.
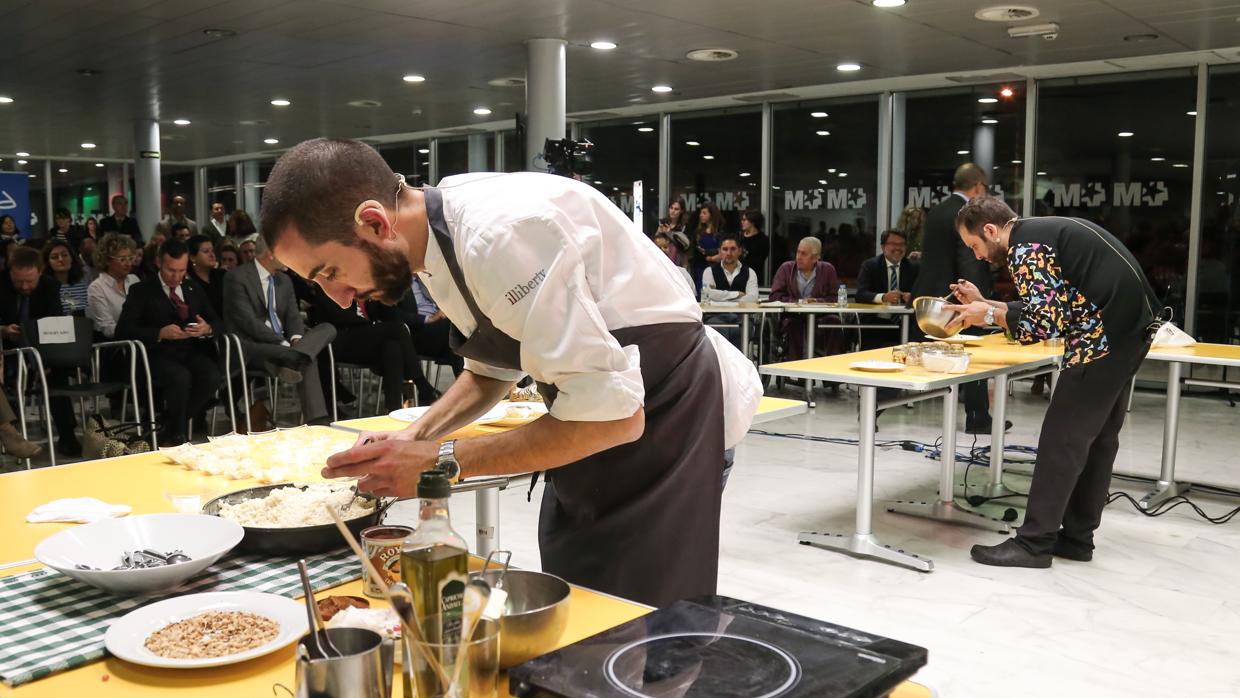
(641,520)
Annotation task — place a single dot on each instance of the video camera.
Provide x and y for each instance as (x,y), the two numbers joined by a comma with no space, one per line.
(568,158)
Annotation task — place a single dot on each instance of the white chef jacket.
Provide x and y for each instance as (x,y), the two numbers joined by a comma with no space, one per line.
(556,266)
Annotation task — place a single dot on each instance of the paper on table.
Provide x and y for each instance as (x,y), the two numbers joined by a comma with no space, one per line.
(76,510)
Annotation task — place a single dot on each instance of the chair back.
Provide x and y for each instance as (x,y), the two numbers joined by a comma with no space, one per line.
(62,342)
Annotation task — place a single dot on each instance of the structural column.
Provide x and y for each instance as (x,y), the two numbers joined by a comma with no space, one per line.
(545,100)
(249,199)
(477,148)
(146,200)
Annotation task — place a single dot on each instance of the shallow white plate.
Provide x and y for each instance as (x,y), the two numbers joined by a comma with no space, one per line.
(535,410)
(877,366)
(413,414)
(126,637)
(962,338)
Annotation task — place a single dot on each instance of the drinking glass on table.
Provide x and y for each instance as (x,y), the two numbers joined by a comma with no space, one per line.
(186,490)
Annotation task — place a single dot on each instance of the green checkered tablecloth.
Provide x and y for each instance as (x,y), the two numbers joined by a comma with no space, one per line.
(50,623)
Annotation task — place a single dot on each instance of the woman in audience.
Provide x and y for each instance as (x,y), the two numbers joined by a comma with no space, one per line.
(228,256)
(92,229)
(106,295)
(911,222)
(240,227)
(146,265)
(62,265)
(86,257)
(707,237)
(755,243)
(676,228)
(8,227)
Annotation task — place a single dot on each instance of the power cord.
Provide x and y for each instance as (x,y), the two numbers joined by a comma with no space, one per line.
(1170,504)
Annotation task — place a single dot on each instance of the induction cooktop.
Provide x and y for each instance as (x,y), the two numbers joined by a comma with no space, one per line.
(718,646)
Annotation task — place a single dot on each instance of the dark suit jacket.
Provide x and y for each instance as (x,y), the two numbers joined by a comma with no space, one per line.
(944,256)
(147,310)
(784,286)
(214,288)
(324,309)
(245,306)
(129,226)
(872,280)
(44,302)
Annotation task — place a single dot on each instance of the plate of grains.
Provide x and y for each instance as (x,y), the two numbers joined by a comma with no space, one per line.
(205,630)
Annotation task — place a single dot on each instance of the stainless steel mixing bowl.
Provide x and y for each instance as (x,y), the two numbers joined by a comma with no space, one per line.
(534,617)
(932,318)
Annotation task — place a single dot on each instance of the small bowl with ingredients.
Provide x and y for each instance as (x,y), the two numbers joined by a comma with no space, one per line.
(139,554)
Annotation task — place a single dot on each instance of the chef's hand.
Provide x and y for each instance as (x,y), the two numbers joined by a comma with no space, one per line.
(971,315)
(966,292)
(389,467)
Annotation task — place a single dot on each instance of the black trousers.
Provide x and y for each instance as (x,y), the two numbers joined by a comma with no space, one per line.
(187,381)
(1076,450)
(385,347)
(431,340)
(975,395)
(62,407)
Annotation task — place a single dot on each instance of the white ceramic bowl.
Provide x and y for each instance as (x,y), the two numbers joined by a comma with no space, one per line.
(204,539)
(941,362)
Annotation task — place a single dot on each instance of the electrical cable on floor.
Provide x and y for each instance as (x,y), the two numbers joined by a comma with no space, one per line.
(1169,504)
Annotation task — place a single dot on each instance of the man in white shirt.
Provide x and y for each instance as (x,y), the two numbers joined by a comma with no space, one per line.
(729,281)
(217,225)
(540,275)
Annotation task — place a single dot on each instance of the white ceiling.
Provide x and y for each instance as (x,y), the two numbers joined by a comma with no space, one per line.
(156,62)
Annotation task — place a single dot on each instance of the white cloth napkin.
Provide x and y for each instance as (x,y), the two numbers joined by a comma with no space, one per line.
(76,510)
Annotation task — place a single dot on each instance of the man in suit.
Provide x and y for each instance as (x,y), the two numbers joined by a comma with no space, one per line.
(120,220)
(175,321)
(811,279)
(26,293)
(945,259)
(260,307)
(887,278)
(429,326)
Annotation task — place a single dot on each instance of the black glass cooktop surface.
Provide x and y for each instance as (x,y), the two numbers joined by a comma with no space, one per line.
(718,646)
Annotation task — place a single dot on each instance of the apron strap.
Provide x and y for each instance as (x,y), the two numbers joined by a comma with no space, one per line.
(443,236)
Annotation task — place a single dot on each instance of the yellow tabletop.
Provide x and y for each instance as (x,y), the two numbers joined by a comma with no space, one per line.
(1200,353)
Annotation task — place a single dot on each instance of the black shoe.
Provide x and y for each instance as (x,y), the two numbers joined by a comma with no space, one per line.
(1071,550)
(1009,553)
(68,447)
(984,427)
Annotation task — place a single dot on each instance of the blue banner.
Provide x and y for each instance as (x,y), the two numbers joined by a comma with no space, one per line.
(15,200)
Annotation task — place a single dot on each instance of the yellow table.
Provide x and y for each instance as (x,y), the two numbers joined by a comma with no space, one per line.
(991,358)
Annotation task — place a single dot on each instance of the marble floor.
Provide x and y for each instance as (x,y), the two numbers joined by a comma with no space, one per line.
(1155,614)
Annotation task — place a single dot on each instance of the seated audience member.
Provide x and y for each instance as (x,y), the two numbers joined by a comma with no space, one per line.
(182,232)
(120,221)
(8,228)
(86,257)
(175,321)
(203,271)
(755,244)
(240,228)
(887,278)
(63,227)
(374,335)
(429,327)
(729,280)
(62,265)
(106,295)
(246,249)
(807,278)
(664,242)
(261,308)
(227,257)
(27,294)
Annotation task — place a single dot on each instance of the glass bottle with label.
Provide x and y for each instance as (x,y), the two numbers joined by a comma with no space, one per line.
(434,561)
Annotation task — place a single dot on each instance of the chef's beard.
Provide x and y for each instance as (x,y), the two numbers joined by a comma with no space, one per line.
(996,253)
(390,273)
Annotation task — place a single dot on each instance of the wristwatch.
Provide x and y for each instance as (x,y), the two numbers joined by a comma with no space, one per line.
(989,319)
(447,461)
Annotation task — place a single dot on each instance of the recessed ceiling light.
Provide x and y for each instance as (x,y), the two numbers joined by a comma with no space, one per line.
(990,121)
(987,100)
(744,174)
(88,146)
(32,176)
(1191,113)
(181,122)
(692,143)
(424,151)
(1041,174)
(822,181)
(365,104)
(842,174)
(776,186)
(645,129)
(482,111)
(1007,92)
(962,152)
(98,164)
(1180,164)
(271,141)
(22,154)
(280,102)
(414,78)
(602,45)
(848,67)
(831,170)
(1124,134)
(661,89)
(712,55)
(823,133)
(6,100)
(887,3)
(708,157)
(21,162)
(818,114)
(1157,159)
(1016,162)
(61,170)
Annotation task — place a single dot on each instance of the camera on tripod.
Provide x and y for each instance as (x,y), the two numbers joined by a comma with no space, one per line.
(568,158)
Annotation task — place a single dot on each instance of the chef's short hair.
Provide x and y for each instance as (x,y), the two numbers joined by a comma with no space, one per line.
(813,243)
(979,211)
(316,187)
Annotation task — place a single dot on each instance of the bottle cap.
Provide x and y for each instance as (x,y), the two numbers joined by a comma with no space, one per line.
(434,484)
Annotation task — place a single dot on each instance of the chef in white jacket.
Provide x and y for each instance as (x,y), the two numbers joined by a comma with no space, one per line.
(539,275)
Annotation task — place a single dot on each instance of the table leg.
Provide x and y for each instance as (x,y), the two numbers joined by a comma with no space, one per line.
(862,542)
(904,328)
(946,509)
(486,508)
(809,354)
(745,334)
(1167,487)
(998,419)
